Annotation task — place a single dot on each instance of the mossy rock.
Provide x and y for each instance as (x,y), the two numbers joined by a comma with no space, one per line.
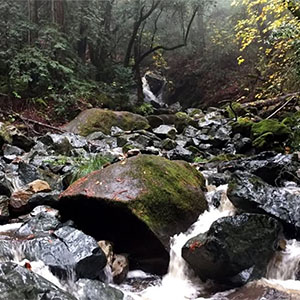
(96,119)
(238,110)
(269,134)
(278,129)
(293,122)
(242,126)
(166,195)
(183,120)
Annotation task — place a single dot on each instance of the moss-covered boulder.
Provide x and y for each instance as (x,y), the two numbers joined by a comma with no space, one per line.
(138,204)
(96,119)
(268,134)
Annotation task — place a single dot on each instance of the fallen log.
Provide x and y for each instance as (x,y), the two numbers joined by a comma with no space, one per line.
(24,119)
(269,102)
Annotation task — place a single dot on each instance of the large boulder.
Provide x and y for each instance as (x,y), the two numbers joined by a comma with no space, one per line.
(96,119)
(18,283)
(235,249)
(137,204)
(251,194)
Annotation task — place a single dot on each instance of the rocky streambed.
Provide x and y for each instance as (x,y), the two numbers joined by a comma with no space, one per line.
(201,205)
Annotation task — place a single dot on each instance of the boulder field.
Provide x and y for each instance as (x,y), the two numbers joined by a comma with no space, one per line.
(146,188)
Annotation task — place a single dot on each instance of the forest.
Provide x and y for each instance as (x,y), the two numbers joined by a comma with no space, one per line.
(59,54)
(149,149)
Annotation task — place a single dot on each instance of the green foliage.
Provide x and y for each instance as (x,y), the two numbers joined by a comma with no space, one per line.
(87,166)
(145,109)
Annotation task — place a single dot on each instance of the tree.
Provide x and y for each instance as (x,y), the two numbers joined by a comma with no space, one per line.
(271,30)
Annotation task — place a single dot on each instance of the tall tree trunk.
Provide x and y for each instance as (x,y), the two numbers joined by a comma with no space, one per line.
(59,13)
(138,75)
(33,18)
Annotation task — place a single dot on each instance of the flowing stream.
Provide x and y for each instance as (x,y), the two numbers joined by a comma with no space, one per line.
(179,283)
(149,96)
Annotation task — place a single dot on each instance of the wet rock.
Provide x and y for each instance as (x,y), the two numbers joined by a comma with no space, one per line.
(93,290)
(42,220)
(191,132)
(27,172)
(14,137)
(5,185)
(4,212)
(39,186)
(261,290)
(218,178)
(165,131)
(270,166)
(155,81)
(116,131)
(97,135)
(235,249)
(95,119)
(120,268)
(11,152)
(180,153)
(19,200)
(153,198)
(18,283)
(168,144)
(66,249)
(251,194)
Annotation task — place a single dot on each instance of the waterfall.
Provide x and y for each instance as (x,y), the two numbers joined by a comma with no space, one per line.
(149,97)
(180,283)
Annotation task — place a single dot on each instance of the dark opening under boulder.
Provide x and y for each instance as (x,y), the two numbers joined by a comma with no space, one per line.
(137,204)
(96,119)
(235,249)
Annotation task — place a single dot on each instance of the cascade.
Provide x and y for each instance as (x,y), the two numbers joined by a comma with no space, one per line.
(179,283)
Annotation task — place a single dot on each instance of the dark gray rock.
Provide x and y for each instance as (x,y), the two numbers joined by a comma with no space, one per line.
(235,249)
(18,283)
(96,290)
(19,139)
(5,185)
(190,132)
(27,172)
(180,153)
(165,131)
(11,152)
(4,212)
(270,166)
(251,194)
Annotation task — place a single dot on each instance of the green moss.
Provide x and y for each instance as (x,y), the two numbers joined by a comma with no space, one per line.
(182,120)
(238,110)
(103,120)
(242,126)
(269,134)
(171,191)
(278,129)
(263,140)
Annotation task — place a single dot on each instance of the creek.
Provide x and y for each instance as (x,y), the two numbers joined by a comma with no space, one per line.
(180,283)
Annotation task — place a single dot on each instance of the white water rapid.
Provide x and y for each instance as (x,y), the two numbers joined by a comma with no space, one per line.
(179,283)
(149,97)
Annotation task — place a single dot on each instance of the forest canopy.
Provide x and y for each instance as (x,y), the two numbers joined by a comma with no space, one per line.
(61,53)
